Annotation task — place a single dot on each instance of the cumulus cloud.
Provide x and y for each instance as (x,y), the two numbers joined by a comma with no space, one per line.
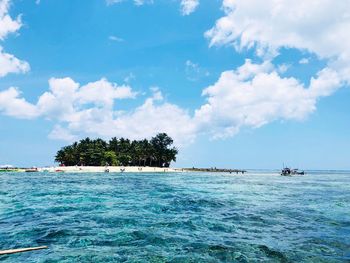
(316,26)
(153,116)
(319,27)
(12,104)
(7,24)
(188,6)
(255,94)
(8,62)
(66,99)
(60,133)
(89,110)
(252,95)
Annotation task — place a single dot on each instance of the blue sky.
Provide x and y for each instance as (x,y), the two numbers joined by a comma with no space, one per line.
(235,83)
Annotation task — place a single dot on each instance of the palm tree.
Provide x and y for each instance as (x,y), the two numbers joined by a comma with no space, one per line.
(161,142)
(156,152)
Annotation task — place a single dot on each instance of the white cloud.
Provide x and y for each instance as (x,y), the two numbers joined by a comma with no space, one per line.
(153,116)
(157,94)
(136,2)
(8,62)
(283,68)
(10,102)
(103,93)
(304,61)
(316,26)
(60,133)
(188,6)
(255,94)
(111,2)
(11,64)
(192,65)
(12,105)
(7,24)
(319,27)
(66,99)
(116,39)
(249,96)
(141,2)
(89,110)
(194,72)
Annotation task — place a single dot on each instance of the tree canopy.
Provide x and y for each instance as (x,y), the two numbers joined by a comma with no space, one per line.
(157,152)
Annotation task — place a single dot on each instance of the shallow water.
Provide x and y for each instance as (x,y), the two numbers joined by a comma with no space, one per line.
(189,217)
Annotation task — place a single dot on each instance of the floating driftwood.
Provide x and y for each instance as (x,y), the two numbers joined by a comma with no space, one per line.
(20,250)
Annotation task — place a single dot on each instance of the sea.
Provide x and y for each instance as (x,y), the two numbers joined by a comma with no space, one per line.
(176,217)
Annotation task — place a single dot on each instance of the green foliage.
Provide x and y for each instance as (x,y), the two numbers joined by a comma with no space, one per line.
(155,153)
(111,158)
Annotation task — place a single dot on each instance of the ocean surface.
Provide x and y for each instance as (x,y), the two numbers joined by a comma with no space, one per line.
(176,217)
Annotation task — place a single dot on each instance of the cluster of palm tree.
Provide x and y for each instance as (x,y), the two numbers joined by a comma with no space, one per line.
(156,152)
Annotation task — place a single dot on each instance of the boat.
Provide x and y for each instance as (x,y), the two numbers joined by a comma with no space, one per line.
(289,172)
(286,171)
(297,172)
(31,170)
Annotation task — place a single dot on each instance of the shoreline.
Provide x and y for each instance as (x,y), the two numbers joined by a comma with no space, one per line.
(109,169)
(118,169)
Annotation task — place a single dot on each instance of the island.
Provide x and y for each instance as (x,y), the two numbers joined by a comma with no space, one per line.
(118,155)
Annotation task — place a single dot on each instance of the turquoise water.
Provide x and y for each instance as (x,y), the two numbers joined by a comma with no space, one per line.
(187,217)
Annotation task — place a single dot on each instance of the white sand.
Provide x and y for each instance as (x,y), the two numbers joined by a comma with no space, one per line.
(111,169)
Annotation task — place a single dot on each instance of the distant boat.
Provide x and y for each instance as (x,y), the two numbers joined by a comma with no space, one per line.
(31,170)
(288,172)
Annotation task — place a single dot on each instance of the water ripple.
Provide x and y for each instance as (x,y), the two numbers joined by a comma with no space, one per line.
(199,217)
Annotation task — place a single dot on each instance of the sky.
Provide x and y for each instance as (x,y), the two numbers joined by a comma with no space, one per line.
(236,83)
